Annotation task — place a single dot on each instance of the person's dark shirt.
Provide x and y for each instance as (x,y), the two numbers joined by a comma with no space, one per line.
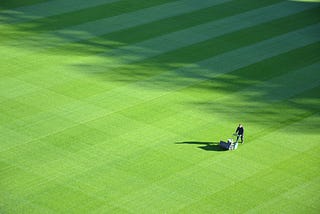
(240,130)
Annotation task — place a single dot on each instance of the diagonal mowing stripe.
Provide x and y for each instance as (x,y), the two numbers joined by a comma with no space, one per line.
(103,26)
(244,56)
(263,50)
(209,68)
(12,4)
(287,85)
(193,35)
(188,76)
(273,92)
(108,25)
(46,9)
(127,20)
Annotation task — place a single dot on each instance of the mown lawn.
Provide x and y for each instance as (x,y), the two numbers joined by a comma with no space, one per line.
(118,106)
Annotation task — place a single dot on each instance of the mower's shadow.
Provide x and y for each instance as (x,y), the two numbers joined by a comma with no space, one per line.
(207,146)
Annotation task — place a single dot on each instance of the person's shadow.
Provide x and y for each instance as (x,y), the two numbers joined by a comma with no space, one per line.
(207,146)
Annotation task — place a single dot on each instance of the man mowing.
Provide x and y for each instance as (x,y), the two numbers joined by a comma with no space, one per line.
(240,133)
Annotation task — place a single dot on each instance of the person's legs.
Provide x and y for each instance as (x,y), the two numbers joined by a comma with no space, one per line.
(242,141)
(237,138)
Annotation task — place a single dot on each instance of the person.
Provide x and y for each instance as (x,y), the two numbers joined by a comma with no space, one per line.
(240,133)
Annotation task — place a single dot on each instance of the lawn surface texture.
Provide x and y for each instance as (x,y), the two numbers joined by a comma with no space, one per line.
(118,106)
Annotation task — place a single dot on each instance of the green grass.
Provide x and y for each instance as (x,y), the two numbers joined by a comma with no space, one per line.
(118,106)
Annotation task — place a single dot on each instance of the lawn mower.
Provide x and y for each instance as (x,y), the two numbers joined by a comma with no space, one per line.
(229,145)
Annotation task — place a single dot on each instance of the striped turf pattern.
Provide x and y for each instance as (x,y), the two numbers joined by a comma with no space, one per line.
(116,106)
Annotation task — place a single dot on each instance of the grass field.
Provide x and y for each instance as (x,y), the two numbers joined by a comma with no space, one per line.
(117,106)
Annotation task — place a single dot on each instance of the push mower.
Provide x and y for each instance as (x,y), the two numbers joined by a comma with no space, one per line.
(229,145)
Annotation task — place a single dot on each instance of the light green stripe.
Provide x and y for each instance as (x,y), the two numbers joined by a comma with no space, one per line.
(46,9)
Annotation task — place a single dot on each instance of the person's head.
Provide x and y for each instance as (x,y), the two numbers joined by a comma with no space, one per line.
(240,125)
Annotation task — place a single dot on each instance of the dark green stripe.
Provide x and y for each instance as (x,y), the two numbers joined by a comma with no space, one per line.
(11,4)
(88,14)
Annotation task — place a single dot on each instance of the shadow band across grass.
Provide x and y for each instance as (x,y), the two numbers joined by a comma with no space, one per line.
(207,146)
